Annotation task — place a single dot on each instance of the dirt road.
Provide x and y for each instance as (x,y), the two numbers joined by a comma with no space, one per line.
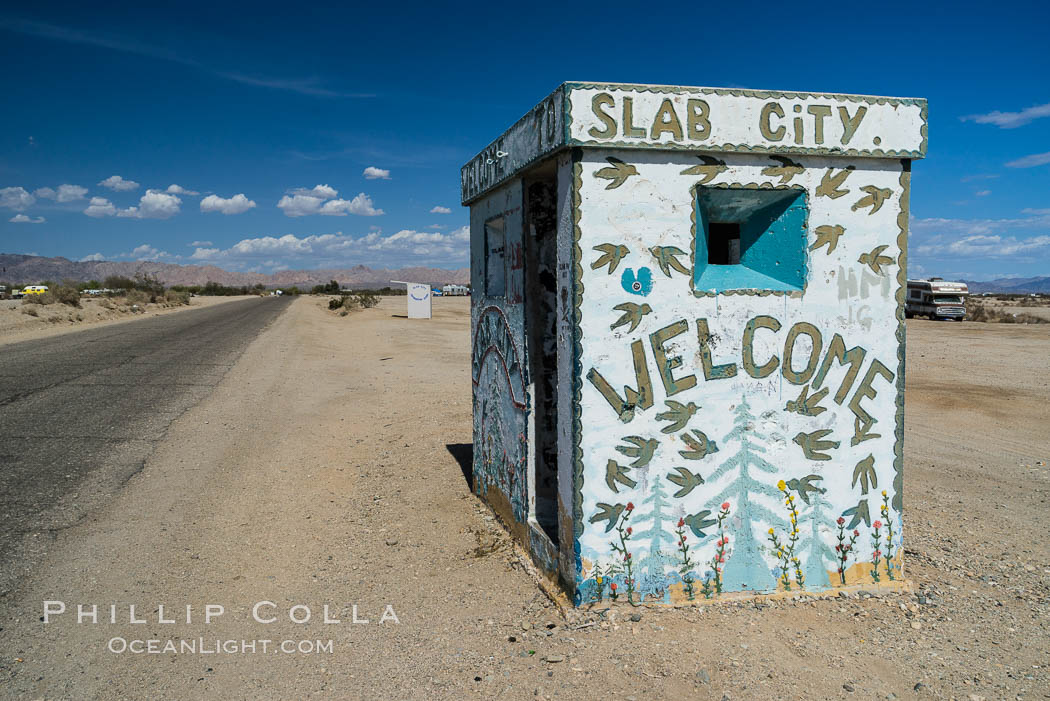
(323,470)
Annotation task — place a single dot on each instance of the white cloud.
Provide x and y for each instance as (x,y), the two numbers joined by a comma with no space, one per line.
(147,252)
(174,189)
(319,200)
(1010,120)
(238,204)
(23,219)
(324,192)
(406,247)
(92,257)
(1036,159)
(16,198)
(373,173)
(441,210)
(65,193)
(1026,236)
(153,205)
(983,193)
(299,205)
(982,245)
(119,184)
(100,207)
(200,243)
(361,205)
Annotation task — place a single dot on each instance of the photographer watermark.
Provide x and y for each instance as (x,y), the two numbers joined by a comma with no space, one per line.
(263,612)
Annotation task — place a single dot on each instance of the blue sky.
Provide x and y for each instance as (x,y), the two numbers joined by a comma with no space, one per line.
(304,136)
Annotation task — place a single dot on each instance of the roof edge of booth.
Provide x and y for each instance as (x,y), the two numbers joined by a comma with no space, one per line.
(601,115)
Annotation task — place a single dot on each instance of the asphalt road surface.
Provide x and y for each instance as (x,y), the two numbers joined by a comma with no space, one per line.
(80,412)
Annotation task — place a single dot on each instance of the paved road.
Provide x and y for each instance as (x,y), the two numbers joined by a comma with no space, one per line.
(80,412)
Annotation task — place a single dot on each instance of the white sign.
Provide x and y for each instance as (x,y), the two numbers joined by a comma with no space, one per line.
(418,299)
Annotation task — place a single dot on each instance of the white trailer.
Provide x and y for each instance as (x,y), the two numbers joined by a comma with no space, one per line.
(936,299)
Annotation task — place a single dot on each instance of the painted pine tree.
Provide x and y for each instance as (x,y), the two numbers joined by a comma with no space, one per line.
(660,553)
(746,569)
(816,554)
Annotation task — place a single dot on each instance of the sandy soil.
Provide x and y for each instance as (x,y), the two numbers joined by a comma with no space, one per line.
(52,319)
(322,471)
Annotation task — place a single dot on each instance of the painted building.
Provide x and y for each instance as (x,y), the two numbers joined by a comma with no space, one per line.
(688,337)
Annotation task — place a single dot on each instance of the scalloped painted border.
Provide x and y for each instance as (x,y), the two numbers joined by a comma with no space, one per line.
(902,341)
(577,365)
(745,148)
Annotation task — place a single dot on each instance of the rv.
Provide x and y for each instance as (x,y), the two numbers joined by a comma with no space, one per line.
(936,299)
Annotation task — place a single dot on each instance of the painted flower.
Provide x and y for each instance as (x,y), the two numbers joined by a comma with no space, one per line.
(725,506)
(878,553)
(877,525)
(613,586)
(781,485)
(771,532)
(630,506)
(627,556)
(856,533)
(883,492)
(681,523)
(841,521)
(629,530)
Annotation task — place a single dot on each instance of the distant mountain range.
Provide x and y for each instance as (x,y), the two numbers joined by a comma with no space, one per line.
(22,269)
(1010,285)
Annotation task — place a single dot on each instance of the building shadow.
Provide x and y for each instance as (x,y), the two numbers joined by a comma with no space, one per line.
(464,455)
(399,316)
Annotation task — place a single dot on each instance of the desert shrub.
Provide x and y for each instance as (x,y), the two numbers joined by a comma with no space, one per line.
(343,313)
(367,300)
(994,315)
(37,299)
(66,294)
(136,297)
(105,303)
(336,303)
(31,311)
(176,297)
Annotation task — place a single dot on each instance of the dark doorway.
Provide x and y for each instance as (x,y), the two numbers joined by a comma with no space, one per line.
(541,287)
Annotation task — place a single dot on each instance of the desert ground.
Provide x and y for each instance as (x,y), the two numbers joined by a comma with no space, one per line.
(324,469)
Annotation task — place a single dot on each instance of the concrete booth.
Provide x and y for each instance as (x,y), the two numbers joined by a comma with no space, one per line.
(688,338)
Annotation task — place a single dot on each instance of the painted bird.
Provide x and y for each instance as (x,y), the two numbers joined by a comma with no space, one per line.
(862,432)
(804,486)
(608,512)
(865,473)
(632,314)
(785,171)
(828,234)
(709,167)
(612,255)
(616,172)
(858,513)
(813,444)
(875,260)
(643,449)
(831,185)
(699,445)
(699,521)
(686,480)
(807,405)
(677,413)
(874,199)
(665,258)
(614,472)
